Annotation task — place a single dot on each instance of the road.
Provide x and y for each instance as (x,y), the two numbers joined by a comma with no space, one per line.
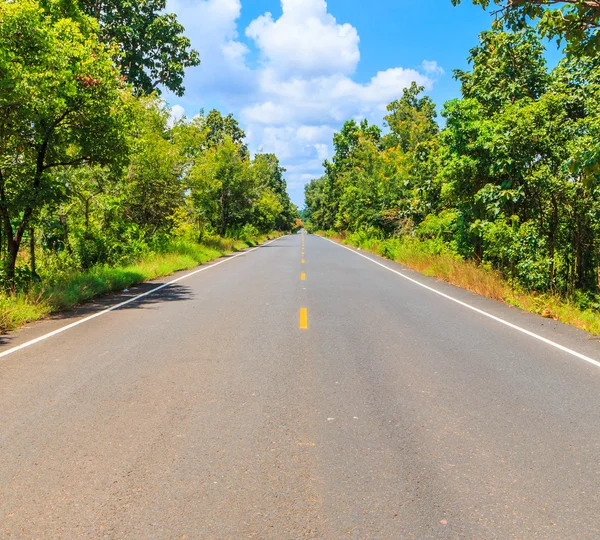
(247,402)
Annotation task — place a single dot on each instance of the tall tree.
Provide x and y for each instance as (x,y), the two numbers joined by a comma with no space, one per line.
(60,106)
(222,186)
(153,51)
(222,127)
(153,188)
(506,67)
(411,119)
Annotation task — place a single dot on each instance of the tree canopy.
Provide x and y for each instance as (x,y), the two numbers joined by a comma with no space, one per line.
(152,49)
(89,155)
(576,23)
(510,181)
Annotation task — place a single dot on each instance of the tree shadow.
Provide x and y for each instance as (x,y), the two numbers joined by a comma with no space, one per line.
(171,293)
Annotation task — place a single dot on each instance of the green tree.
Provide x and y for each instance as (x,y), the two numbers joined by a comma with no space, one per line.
(153,51)
(154,187)
(222,186)
(269,178)
(411,119)
(61,106)
(506,67)
(222,127)
(576,22)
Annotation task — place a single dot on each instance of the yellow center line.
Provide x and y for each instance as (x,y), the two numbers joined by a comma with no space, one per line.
(303,276)
(303,261)
(303,319)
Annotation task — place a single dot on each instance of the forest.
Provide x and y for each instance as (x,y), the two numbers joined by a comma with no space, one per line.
(95,176)
(506,180)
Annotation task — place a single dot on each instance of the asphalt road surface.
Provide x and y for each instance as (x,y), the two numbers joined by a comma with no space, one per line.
(267,397)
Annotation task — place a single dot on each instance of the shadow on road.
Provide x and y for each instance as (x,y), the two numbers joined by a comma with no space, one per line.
(172,293)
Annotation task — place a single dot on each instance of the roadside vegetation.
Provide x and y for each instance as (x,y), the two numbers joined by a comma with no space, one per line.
(100,186)
(502,198)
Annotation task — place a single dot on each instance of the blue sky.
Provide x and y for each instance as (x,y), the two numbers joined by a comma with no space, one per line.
(292,71)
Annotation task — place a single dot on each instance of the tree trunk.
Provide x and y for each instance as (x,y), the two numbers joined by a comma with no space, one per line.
(32,251)
(13,252)
(551,253)
(551,240)
(579,256)
(14,243)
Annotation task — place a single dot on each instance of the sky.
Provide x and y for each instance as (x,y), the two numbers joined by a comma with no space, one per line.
(293,71)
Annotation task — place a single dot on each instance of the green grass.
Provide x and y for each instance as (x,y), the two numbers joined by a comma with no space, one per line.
(431,258)
(21,308)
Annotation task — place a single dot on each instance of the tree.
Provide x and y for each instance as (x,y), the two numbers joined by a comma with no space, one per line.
(61,106)
(269,178)
(153,51)
(222,127)
(506,67)
(154,187)
(222,186)
(411,119)
(576,22)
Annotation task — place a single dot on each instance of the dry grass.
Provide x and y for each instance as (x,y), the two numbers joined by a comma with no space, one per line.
(431,259)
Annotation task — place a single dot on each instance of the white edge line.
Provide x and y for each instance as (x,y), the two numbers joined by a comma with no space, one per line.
(477,310)
(129,301)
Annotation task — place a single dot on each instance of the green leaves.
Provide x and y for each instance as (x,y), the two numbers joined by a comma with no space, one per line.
(153,52)
(61,104)
(507,67)
(575,23)
(511,181)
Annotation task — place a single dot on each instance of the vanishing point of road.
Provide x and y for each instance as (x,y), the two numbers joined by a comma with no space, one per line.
(299,390)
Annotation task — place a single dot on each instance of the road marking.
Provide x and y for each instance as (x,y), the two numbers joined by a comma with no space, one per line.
(303,262)
(303,276)
(303,319)
(129,301)
(477,310)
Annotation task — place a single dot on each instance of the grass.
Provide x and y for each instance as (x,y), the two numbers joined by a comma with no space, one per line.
(21,308)
(432,259)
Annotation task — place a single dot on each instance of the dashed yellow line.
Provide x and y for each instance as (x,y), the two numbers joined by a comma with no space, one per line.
(303,276)
(303,261)
(303,319)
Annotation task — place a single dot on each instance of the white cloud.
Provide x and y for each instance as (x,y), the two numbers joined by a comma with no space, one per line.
(431,67)
(305,40)
(303,88)
(176,113)
(211,26)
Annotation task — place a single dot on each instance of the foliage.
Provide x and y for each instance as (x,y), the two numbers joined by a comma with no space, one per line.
(61,107)
(575,22)
(510,183)
(94,176)
(153,51)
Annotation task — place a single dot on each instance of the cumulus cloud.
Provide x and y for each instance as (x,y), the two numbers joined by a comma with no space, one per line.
(302,88)
(332,99)
(212,28)
(305,40)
